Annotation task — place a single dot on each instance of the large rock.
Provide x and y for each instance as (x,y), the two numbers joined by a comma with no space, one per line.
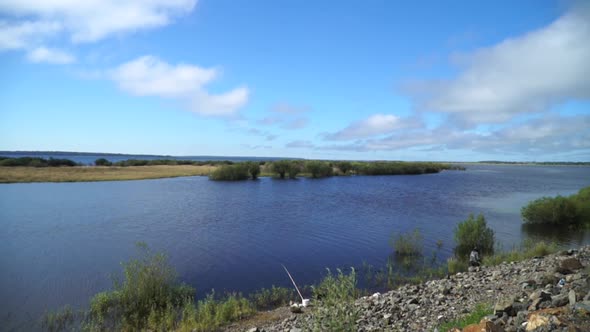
(559,300)
(503,306)
(572,297)
(571,264)
(536,321)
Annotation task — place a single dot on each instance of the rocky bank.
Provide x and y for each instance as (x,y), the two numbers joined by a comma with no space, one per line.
(549,293)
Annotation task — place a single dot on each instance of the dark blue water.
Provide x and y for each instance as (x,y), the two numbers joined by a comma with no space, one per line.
(89,158)
(60,242)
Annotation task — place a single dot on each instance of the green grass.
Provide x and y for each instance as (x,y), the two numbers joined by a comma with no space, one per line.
(58,320)
(273,297)
(529,249)
(336,295)
(407,244)
(481,310)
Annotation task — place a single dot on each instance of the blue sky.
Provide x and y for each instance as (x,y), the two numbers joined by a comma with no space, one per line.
(421,80)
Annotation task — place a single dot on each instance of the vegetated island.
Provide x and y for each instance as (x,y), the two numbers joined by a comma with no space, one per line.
(36,169)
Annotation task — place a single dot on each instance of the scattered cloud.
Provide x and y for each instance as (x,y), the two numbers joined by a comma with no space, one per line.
(90,20)
(150,76)
(49,55)
(286,116)
(300,144)
(255,147)
(294,124)
(288,109)
(376,124)
(526,74)
(23,34)
(551,134)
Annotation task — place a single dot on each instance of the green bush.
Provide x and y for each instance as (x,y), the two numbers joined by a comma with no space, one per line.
(149,289)
(35,162)
(344,167)
(281,167)
(102,162)
(557,211)
(286,167)
(336,295)
(582,202)
(407,244)
(254,170)
(318,169)
(567,211)
(455,265)
(235,172)
(473,232)
(59,320)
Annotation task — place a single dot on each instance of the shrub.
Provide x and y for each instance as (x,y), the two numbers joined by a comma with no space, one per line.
(59,320)
(407,244)
(547,210)
(36,162)
(254,170)
(568,211)
(281,167)
(344,166)
(294,169)
(473,232)
(336,295)
(102,162)
(455,265)
(582,203)
(209,314)
(318,169)
(149,292)
(235,172)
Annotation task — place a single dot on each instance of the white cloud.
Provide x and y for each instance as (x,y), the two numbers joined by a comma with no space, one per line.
(150,76)
(527,74)
(286,116)
(376,124)
(20,35)
(92,20)
(49,55)
(289,109)
(300,144)
(551,134)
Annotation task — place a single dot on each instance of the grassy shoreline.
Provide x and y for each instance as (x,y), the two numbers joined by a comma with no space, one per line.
(27,174)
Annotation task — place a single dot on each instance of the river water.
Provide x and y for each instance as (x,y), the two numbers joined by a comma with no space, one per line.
(61,242)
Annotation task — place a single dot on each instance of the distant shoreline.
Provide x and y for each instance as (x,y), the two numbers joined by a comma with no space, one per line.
(219,158)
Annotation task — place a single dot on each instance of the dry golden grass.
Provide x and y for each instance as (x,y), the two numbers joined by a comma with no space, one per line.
(98,173)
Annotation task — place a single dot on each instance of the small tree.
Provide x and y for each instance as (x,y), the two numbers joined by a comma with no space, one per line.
(473,232)
(254,170)
(102,162)
(281,167)
(318,168)
(294,169)
(344,166)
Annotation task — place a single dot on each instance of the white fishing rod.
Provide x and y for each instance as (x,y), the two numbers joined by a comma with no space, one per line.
(294,284)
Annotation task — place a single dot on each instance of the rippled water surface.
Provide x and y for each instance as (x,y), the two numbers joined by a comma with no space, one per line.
(60,242)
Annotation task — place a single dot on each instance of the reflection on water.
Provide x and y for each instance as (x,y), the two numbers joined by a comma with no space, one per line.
(572,236)
(60,242)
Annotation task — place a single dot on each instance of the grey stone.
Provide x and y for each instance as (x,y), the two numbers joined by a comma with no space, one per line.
(559,300)
(572,297)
